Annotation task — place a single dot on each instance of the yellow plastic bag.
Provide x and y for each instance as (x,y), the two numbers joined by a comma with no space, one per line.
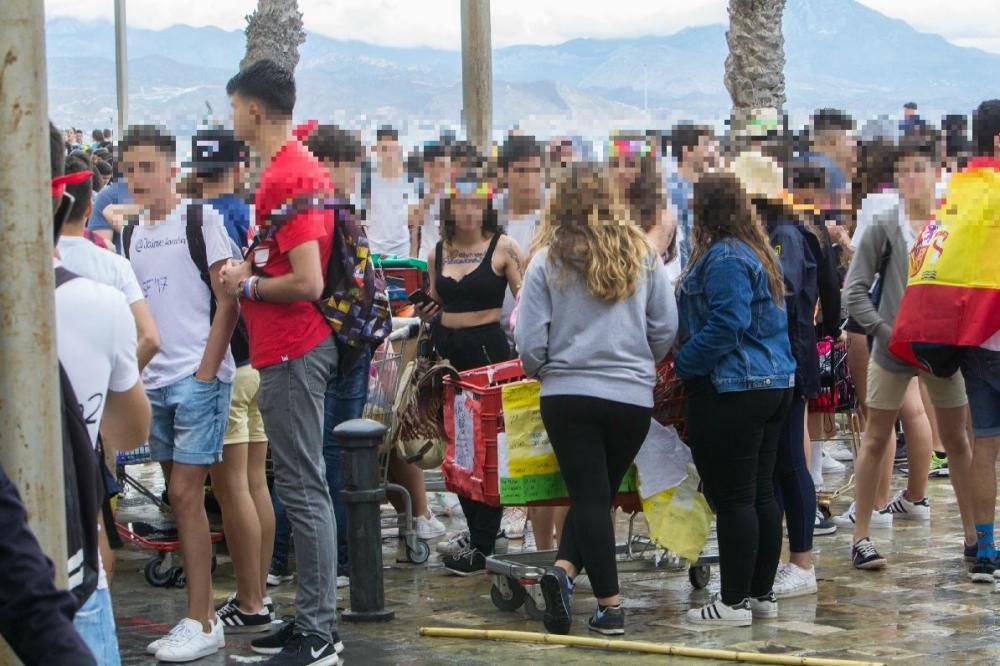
(679,518)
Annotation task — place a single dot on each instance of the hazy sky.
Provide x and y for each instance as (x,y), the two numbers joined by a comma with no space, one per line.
(436,23)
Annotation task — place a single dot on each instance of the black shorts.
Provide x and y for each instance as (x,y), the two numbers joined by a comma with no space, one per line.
(474,347)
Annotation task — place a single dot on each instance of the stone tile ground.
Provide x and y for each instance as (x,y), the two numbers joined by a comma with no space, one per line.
(920,610)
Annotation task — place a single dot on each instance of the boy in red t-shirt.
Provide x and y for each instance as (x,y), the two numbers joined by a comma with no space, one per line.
(292,346)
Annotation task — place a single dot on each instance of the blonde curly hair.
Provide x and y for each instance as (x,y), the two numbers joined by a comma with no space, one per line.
(589,234)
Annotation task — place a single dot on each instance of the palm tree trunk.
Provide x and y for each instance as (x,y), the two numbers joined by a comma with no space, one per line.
(274,31)
(755,76)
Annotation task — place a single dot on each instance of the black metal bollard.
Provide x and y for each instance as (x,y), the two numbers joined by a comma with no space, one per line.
(363,494)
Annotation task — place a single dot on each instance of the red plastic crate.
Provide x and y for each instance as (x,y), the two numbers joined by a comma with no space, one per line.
(474,475)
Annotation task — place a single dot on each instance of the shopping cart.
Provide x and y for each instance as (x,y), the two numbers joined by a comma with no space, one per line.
(838,402)
(387,368)
(163,568)
(516,575)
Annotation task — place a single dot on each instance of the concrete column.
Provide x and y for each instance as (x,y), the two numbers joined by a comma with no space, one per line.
(477,73)
(30,426)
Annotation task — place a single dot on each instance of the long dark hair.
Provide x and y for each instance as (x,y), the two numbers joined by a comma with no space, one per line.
(491,221)
(723,210)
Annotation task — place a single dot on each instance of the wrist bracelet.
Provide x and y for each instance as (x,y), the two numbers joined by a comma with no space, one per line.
(256,288)
(243,288)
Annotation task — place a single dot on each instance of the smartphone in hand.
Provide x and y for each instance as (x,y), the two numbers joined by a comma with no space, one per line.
(420,297)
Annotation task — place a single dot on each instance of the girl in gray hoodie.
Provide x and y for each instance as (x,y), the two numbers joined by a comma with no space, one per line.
(597,312)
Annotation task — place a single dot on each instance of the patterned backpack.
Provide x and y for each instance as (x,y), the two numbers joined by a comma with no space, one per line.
(354,300)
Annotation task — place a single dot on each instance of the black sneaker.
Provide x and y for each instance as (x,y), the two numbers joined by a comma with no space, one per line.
(232,599)
(236,621)
(276,642)
(971,552)
(610,621)
(558,591)
(864,555)
(982,571)
(305,650)
(468,562)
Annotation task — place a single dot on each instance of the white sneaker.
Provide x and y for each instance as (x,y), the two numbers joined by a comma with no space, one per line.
(513,522)
(794,581)
(842,452)
(879,518)
(160,642)
(764,608)
(903,509)
(832,465)
(342,582)
(455,544)
(192,643)
(276,579)
(429,527)
(717,613)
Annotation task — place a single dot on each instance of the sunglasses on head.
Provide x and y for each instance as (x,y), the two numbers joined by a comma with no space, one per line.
(628,148)
(471,188)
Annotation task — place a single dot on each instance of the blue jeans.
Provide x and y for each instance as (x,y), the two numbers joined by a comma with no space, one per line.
(345,400)
(189,421)
(95,622)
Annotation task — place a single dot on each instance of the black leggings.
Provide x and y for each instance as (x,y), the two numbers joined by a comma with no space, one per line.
(734,442)
(468,348)
(793,485)
(595,441)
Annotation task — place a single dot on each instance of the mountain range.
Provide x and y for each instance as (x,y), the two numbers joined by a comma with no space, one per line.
(838,53)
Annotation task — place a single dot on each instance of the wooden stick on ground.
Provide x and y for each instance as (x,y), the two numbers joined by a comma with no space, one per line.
(639,646)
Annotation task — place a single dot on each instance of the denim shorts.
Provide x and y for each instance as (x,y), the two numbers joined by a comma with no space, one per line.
(189,421)
(981,368)
(95,622)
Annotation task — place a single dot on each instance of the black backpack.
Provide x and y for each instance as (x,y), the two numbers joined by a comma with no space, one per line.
(239,344)
(84,482)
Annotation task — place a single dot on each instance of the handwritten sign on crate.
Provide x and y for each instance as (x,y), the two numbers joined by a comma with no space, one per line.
(465,449)
(528,468)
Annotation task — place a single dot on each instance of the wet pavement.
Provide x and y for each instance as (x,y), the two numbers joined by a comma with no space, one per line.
(921,609)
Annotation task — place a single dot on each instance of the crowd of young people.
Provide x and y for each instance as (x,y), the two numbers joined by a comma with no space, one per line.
(203,339)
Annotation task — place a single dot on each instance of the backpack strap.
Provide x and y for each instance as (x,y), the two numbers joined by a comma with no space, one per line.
(63,275)
(194,230)
(127,232)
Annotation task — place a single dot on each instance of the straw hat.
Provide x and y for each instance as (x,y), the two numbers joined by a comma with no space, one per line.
(760,176)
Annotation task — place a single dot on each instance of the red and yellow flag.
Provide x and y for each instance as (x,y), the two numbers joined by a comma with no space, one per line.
(953,295)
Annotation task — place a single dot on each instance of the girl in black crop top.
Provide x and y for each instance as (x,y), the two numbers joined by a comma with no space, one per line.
(471,269)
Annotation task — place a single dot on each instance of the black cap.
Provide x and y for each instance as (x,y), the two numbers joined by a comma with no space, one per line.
(215,150)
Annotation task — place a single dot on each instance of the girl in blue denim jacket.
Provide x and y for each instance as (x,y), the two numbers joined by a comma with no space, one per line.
(738,369)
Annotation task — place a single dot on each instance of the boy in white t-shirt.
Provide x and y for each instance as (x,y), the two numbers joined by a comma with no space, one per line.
(86,259)
(189,382)
(96,341)
(389,198)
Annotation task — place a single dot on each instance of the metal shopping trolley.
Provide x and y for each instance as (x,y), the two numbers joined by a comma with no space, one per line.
(516,575)
(838,402)
(163,569)
(387,367)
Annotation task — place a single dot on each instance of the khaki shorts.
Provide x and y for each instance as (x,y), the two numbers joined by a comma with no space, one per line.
(245,424)
(886,389)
